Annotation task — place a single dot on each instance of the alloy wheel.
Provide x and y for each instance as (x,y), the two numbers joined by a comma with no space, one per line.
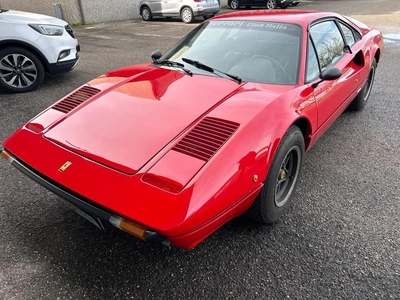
(18,71)
(187,15)
(287,176)
(271,4)
(146,14)
(235,4)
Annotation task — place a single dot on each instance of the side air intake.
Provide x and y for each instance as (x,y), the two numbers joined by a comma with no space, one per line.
(206,138)
(75,99)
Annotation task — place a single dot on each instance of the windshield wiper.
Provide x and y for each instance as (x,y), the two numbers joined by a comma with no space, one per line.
(3,10)
(173,64)
(204,67)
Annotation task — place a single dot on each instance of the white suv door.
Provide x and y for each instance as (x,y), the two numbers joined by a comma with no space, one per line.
(157,6)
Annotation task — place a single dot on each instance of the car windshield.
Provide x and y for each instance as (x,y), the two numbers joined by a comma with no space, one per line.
(263,52)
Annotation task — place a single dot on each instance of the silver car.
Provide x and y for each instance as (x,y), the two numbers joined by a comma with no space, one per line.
(187,10)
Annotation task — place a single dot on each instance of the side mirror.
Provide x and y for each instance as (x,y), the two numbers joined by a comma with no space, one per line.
(329,74)
(156,55)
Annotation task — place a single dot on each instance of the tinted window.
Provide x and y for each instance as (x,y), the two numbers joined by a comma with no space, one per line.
(312,63)
(265,52)
(348,34)
(328,42)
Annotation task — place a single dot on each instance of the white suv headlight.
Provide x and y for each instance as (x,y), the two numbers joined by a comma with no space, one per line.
(48,29)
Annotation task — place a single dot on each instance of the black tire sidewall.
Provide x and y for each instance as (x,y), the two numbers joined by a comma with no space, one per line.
(270,211)
(359,103)
(371,84)
(34,59)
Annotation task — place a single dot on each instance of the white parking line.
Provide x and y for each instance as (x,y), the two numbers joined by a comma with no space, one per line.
(157,35)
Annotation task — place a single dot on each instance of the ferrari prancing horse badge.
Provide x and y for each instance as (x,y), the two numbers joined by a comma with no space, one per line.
(65,166)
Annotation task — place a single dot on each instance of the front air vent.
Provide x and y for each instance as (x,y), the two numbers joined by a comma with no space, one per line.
(75,99)
(206,138)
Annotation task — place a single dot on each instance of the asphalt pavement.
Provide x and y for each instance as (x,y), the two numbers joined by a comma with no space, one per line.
(339,240)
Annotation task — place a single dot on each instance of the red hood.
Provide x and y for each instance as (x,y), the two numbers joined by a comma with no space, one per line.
(133,118)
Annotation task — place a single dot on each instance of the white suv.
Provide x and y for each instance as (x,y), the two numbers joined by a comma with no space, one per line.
(187,10)
(30,46)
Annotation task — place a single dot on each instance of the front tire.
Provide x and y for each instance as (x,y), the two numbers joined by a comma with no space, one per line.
(235,4)
(271,4)
(146,13)
(362,98)
(20,70)
(187,15)
(282,178)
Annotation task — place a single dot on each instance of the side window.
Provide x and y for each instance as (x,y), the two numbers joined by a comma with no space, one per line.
(348,35)
(328,42)
(357,35)
(312,63)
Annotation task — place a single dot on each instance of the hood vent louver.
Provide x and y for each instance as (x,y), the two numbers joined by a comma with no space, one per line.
(75,99)
(206,138)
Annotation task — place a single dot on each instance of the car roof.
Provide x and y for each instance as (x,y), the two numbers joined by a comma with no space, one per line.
(303,17)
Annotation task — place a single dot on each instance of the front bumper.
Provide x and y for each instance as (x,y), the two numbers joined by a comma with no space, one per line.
(97,213)
(63,67)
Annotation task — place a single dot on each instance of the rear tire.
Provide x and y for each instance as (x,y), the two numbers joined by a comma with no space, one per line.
(362,98)
(187,15)
(146,13)
(20,70)
(282,178)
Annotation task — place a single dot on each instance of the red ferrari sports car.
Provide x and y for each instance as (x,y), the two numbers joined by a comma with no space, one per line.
(170,150)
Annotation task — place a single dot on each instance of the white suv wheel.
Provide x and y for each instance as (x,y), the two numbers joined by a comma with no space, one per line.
(20,70)
(146,14)
(187,15)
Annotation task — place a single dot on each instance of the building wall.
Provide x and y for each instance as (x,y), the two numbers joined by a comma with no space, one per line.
(70,8)
(96,11)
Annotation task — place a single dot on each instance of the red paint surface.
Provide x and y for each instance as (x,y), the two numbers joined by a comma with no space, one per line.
(129,128)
